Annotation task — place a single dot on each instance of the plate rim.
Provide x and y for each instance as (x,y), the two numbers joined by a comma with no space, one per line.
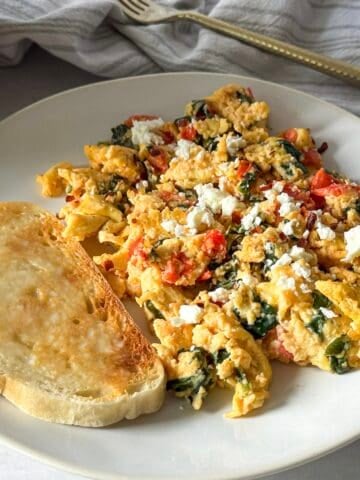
(70,467)
(172,74)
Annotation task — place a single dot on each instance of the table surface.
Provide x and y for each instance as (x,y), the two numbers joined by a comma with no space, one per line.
(39,76)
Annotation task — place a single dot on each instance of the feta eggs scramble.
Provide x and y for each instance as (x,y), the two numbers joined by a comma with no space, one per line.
(239,245)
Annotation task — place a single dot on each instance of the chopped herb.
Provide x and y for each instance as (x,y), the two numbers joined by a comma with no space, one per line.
(210,144)
(121,135)
(68,189)
(246,183)
(336,351)
(110,186)
(264,322)
(357,206)
(270,258)
(240,375)
(153,252)
(153,310)
(296,155)
(220,356)
(228,271)
(317,324)
(319,300)
(290,149)
(200,110)
(243,97)
(204,376)
(192,384)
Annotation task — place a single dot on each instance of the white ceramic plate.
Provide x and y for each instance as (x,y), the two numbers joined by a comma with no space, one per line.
(309,413)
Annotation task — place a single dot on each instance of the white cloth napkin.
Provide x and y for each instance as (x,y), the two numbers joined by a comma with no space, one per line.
(96,36)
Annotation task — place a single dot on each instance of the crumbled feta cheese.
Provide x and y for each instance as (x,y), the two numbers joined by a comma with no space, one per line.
(278,187)
(270,194)
(199,216)
(209,196)
(305,288)
(168,225)
(301,269)
(215,199)
(183,149)
(173,227)
(234,143)
(269,247)
(200,155)
(287,205)
(248,279)
(327,312)
(283,260)
(251,219)
(228,205)
(298,253)
(324,232)
(141,132)
(352,243)
(219,295)
(142,184)
(188,315)
(288,227)
(286,283)
(222,183)
(224,166)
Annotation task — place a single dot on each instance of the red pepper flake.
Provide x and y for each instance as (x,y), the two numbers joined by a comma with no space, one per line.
(310,221)
(323,147)
(168,137)
(69,198)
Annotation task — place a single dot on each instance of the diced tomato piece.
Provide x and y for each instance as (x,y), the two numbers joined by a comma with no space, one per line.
(178,265)
(283,354)
(158,159)
(321,179)
(214,244)
(168,137)
(290,134)
(335,190)
(299,195)
(188,133)
(206,275)
(312,158)
(138,118)
(136,247)
(244,167)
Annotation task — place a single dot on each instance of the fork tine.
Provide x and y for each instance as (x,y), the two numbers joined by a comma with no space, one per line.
(145,3)
(129,8)
(139,4)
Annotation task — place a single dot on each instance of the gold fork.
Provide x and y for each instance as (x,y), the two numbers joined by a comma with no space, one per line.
(148,12)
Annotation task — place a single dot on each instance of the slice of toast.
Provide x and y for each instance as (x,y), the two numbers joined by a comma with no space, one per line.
(69,351)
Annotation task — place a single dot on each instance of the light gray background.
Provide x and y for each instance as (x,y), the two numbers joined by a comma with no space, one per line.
(39,76)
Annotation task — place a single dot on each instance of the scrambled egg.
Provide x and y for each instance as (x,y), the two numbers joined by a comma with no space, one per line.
(239,245)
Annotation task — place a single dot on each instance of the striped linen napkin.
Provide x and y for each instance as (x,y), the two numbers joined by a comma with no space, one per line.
(96,36)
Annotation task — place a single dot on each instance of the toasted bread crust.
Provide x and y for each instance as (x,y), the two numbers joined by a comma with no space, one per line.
(69,351)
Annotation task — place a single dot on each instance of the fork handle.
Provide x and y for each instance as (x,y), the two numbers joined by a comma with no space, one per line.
(322,63)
